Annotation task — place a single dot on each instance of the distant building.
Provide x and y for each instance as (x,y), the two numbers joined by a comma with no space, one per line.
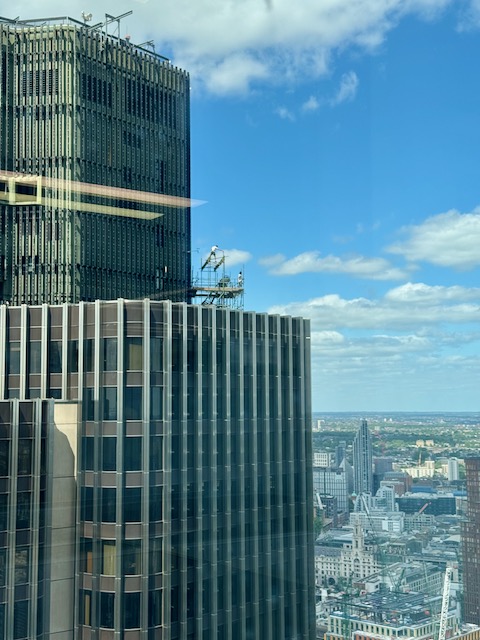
(332,482)
(362,460)
(403,482)
(453,471)
(471,544)
(323,459)
(355,560)
(384,615)
(430,504)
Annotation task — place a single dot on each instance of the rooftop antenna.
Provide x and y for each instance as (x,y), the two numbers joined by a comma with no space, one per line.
(148,43)
(109,19)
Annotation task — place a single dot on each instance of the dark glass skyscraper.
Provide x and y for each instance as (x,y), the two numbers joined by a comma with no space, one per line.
(471,544)
(94,133)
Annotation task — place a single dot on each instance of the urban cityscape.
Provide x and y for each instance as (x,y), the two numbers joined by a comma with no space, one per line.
(168,466)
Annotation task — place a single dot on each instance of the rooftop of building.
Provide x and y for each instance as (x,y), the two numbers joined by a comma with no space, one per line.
(147,48)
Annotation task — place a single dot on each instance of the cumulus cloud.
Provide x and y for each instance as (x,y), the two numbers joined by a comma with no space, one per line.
(284,114)
(449,239)
(229,45)
(347,90)
(312,104)
(237,256)
(313,262)
(431,307)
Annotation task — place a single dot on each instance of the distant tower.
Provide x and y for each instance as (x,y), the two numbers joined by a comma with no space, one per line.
(362,460)
(471,544)
(452,470)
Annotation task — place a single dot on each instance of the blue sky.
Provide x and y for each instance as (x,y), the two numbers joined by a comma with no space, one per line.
(336,145)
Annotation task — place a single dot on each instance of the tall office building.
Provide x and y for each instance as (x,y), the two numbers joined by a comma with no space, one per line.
(94,167)
(194,507)
(186,474)
(471,544)
(362,460)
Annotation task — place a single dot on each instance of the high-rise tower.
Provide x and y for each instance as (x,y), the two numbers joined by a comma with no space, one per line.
(471,544)
(94,167)
(362,460)
(176,438)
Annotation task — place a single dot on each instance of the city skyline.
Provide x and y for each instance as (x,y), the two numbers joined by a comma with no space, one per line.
(360,129)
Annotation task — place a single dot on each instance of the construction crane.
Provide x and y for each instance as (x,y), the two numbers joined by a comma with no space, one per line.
(445,602)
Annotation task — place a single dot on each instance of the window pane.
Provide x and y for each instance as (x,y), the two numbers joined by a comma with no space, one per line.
(109,553)
(134,354)
(20,620)
(109,454)
(13,355)
(3,565)
(87,503)
(107,607)
(156,555)
(86,607)
(55,357)
(156,403)
(132,557)
(23,510)
(156,354)
(156,503)
(88,354)
(73,356)
(88,408)
(133,453)
(21,566)
(4,457)
(24,457)
(109,403)
(35,357)
(155,608)
(109,505)
(86,555)
(133,403)
(132,504)
(131,610)
(87,452)
(110,354)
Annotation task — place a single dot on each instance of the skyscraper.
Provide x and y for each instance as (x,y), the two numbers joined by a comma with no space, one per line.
(94,136)
(187,471)
(471,544)
(362,460)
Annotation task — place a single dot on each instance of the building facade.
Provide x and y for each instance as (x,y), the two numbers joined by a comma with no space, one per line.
(362,460)
(94,134)
(38,462)
(471,544)
(190,452)
(193,515)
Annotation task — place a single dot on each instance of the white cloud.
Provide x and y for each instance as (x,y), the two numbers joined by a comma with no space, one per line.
(312,104)
(234,74)
(420,293)
(398,310)
(284,114)
(312,262)
(229,45)
(272,261)
(237,256)
(449,239)
(347,90)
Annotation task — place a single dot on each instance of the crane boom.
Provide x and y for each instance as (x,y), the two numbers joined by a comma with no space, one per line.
(445,601)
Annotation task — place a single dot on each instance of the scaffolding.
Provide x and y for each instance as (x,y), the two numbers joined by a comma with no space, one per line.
(214,286)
